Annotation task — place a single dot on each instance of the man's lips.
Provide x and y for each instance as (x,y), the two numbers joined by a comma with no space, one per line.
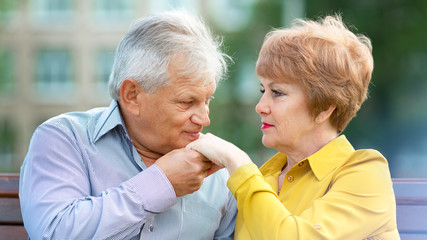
(266,125)
(194,135)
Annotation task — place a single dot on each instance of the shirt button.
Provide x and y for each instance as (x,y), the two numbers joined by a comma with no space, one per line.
(290,178)
(300,164)
(317,226)
(151,228)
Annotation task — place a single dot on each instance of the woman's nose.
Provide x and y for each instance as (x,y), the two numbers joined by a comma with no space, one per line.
(262,106)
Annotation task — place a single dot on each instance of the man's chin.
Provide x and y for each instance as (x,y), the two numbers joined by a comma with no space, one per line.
(185,139)
(182,143)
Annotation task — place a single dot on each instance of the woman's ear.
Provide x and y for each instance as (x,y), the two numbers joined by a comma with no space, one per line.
(129,91)
(324,115)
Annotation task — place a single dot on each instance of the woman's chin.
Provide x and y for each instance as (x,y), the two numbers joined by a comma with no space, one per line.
(267,143)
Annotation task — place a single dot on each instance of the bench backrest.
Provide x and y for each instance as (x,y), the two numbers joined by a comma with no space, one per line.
(11,225)
(411,208)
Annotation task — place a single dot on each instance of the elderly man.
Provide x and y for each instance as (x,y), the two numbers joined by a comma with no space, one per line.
(123,172)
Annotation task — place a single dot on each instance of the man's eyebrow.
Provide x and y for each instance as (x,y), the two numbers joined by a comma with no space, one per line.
(195,97)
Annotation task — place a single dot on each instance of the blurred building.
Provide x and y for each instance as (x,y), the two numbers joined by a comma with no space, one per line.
(55,57)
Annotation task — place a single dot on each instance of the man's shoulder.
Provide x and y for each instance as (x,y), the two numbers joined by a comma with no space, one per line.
(76,118)
(74,122)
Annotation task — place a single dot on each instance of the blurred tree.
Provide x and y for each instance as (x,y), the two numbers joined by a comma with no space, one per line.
(393,118)
(232,117)
(6,9)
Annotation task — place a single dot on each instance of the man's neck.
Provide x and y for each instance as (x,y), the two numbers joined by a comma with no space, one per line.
(148,157)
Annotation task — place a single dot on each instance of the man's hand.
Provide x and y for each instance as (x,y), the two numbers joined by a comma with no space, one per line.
(220,152)
(185,170)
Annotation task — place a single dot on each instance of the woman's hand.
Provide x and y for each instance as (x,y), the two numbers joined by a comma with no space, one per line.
(220,152)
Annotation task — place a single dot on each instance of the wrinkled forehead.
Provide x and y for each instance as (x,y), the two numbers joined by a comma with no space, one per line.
(193,83)
(181,71)
(189,89)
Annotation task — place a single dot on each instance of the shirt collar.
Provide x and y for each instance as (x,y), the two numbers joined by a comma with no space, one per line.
(274,164)
(321,162)
(330,156)
(108,120)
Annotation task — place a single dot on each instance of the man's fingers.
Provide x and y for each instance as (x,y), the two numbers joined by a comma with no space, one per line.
(206,165)
(213,169)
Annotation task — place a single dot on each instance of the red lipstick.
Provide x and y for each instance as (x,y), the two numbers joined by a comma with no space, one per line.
(266,125)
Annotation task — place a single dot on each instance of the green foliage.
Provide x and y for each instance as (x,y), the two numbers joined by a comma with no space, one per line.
(393,118)
(232,119)
(6,6)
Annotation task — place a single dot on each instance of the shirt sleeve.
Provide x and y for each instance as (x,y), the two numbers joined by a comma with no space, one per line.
(359,200)
(55,193)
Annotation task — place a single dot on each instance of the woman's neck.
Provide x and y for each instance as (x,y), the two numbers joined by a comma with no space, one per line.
(309,147)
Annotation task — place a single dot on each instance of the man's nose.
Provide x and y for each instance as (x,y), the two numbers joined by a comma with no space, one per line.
(201,117)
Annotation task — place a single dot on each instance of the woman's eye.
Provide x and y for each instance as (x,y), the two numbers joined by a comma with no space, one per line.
(277,93)
(262,90)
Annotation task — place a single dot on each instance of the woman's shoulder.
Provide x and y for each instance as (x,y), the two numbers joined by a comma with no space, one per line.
(366,156)
(367,164)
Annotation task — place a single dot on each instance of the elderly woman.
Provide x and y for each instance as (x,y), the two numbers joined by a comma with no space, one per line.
(314,78)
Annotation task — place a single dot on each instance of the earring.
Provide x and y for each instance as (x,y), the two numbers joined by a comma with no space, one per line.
(317,120)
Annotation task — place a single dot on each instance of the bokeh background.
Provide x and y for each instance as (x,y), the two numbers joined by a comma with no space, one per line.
(56,56)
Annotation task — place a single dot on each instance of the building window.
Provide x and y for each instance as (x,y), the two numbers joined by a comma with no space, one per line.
(104,64)
(107,12)
(54,73)
(53,12)
(163,5)
(6,72)
(7,142)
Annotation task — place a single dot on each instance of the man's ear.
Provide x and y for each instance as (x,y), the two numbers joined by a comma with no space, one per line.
(322,116)
(129,91)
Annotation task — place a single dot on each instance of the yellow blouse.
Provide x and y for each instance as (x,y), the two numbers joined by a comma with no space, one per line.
(336,193)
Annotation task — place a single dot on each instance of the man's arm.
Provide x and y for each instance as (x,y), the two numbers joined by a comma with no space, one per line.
(56,199)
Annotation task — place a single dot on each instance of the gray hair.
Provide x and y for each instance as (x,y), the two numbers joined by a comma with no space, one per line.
(146,50)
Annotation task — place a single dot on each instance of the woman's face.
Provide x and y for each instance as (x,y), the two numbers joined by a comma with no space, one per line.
(286,122)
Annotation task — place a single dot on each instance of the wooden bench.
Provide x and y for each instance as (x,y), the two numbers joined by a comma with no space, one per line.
(11,225)
(411,209)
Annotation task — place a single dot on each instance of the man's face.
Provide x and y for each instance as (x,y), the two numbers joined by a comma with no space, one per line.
(174,115)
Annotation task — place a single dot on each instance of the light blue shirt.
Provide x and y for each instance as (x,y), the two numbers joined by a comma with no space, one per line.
(82,178)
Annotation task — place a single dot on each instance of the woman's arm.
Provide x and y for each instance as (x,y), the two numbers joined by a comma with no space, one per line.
(358,203)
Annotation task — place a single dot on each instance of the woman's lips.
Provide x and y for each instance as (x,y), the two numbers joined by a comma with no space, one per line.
(266,125)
